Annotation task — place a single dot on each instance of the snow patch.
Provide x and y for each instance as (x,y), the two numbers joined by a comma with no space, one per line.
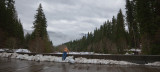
(154,64)
(83,53)
(102,61)
(70,59)
(1,50)
(23,50)
(15,50)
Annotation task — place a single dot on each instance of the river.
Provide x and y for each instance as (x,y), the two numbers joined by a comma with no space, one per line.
(16,65)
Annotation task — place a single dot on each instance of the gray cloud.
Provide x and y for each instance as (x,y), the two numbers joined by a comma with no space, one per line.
(69,17)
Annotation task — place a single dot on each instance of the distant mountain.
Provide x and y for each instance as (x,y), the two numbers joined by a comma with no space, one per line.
(27,31)
(82,34)
(58,37)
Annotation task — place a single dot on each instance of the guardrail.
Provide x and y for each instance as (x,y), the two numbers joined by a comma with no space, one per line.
(139,59)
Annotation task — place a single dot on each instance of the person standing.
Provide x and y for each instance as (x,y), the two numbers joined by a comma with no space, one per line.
(65,50)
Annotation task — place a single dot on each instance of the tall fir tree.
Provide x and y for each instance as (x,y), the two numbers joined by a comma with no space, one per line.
(132,25)
(40,23)
(156,43)
(145,19)
(114,29)
(40,41)
(121,34)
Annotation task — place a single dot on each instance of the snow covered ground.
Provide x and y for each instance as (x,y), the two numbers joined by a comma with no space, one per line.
(15,50)
(83,53)
(70,59)
(22,50)
(154,64)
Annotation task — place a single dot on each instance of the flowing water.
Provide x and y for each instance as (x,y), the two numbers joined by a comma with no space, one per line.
(16,65)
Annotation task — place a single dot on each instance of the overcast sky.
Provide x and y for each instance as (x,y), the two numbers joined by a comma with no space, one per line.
(70,17)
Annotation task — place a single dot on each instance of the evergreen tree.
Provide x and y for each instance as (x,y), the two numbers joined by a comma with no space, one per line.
(114,29)
(121,34)
(2,13)
(145,20)
(40,40)
(40,23)
(156,42)
(132,24)
(27,39)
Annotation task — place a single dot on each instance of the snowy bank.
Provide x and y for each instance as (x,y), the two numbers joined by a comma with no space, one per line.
(15,50)
(22,50)
(80,53)
(154,64)
(102,61)
(40,57)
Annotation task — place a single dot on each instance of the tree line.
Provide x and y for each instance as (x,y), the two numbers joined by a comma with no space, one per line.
(11,29)
(12,34)
(142,18)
